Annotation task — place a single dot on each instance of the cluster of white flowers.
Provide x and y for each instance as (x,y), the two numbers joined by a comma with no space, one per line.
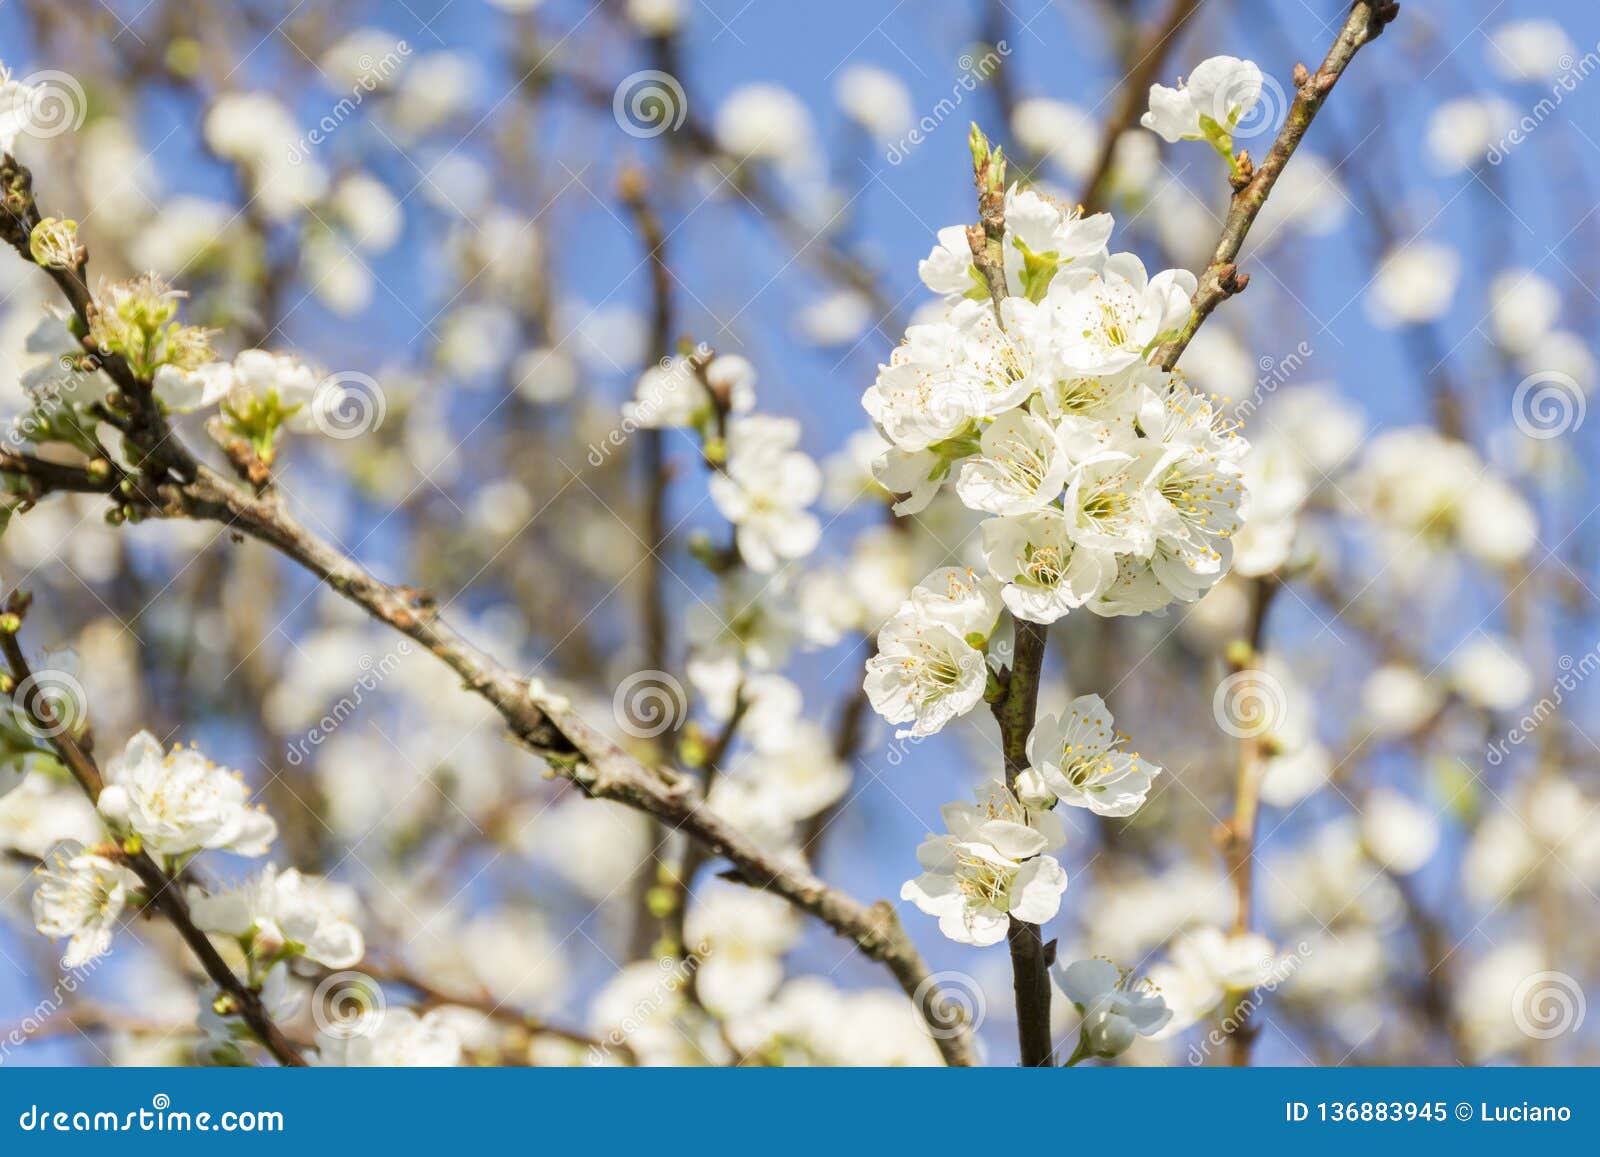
(179,802)
(258,391)
(1111,484)
(991,866)
(285,914)
(1114,1006)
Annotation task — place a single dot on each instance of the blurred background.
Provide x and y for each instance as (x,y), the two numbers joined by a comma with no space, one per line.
(453,201)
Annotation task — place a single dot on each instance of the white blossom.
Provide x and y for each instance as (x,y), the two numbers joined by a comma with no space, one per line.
(988,869)
(1114,1007)
(1078,753)
(81,898)
(1219,93)
(764,490)
(179,802)
(285,913)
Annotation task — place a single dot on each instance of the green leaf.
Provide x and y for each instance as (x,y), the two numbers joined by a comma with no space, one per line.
(979,290)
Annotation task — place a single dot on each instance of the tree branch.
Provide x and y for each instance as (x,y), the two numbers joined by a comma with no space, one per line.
(1221,278)
(163,891)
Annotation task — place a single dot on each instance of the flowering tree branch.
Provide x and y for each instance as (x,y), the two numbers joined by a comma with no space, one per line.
(1222,279)
(175,483)
(164,894)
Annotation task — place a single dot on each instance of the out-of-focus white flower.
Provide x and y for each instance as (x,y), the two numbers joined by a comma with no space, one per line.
(740,936)
(1062,133)
(1489,675)
(432,91)
(258,132)
(1397,699)
(1523,307)
(394,1038)
(764,490)
(16,100)
(368,58)
(1530,50)
(1462,131)
(1486,999)
(1400,834)
(38,814)
(876,100)
(656,17)
(764,122)
(1562,352)
(371,214)
(837,319)
(545,376)
(1414,284)
(1206,966)
(1115,1008)
(179,801)
(1436,490)
(81,898)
